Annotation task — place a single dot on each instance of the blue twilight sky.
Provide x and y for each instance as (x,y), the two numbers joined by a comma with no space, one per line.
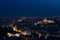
(36,8)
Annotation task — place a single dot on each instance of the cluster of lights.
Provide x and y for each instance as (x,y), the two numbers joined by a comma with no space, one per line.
(44,21)
(13,35)
(40,34)
(19,32)
(48,21)
(16,30)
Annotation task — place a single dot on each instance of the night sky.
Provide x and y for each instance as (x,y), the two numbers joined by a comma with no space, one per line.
(34,8)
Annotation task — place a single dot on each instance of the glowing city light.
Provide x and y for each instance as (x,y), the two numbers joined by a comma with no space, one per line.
(17,35)
(15,29)
(19,20)
(13,35)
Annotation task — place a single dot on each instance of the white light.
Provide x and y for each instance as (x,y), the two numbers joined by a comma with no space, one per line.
(35,23)
(19,20)
(40,35)
(13,35)
(45,20)
(9,34)
(24,33)
(17,35)
(50,21)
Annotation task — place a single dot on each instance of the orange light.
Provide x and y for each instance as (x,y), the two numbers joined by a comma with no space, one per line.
(16,30)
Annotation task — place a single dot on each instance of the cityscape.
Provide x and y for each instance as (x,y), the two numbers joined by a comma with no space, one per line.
(29,19)
(29,28)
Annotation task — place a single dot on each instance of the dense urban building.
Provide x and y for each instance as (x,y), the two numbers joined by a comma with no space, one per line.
(29,28)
